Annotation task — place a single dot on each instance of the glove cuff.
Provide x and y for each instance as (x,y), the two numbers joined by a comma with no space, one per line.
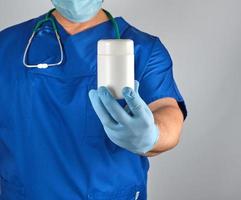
(156,136)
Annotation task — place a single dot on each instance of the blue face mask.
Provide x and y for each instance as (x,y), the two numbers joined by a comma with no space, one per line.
(78,10)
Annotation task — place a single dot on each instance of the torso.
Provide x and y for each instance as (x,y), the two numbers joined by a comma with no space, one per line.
(52,144)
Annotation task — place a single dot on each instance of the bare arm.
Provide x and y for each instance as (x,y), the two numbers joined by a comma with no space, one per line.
(169,119)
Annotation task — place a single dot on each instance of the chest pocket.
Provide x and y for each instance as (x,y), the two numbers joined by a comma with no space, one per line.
(67,100)
(62,100)
(136,192)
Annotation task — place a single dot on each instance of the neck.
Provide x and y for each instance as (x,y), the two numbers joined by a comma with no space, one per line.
(73,27)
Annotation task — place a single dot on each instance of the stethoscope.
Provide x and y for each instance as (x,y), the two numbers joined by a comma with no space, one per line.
(51,20)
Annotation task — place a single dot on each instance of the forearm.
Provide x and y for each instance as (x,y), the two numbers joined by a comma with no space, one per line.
(169,120)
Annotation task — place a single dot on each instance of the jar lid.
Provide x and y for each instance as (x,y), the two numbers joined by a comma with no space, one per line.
(115,47)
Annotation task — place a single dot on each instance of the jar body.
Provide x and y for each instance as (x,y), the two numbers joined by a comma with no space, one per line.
(116,69)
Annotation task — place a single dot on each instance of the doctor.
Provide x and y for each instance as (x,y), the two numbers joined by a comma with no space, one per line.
(61,137)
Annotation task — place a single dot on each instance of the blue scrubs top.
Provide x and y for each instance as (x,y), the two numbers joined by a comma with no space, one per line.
(52,144)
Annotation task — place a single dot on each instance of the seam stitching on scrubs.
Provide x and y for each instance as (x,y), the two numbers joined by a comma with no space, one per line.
(149,57)
(125,28)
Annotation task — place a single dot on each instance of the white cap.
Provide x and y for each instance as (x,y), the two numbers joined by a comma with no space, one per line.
(116,47)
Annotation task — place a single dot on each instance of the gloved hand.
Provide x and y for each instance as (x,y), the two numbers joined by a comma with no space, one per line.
(134,128)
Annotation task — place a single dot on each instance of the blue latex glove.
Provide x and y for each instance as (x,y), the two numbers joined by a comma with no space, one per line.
(132,128)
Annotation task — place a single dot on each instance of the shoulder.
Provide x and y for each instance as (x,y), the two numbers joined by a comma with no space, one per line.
(149,48)
(140,37)
(15,33)
(13,40)
(144,40)
(16,27)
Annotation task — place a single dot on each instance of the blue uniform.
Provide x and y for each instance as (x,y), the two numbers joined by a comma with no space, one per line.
(52,144)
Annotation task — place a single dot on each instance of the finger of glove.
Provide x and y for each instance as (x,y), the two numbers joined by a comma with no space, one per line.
(136,86)
(133,100)
(116,138)
(112,106)
(104,116)
(127,109)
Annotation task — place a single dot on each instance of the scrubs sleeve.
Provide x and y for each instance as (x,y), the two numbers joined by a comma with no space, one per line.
(157,80)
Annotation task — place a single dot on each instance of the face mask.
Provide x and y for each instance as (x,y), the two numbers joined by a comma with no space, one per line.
(78,10)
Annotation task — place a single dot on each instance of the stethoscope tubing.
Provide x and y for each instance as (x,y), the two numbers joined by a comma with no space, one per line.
(39,25)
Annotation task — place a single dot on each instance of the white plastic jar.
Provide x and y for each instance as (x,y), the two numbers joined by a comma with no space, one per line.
(116,65)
